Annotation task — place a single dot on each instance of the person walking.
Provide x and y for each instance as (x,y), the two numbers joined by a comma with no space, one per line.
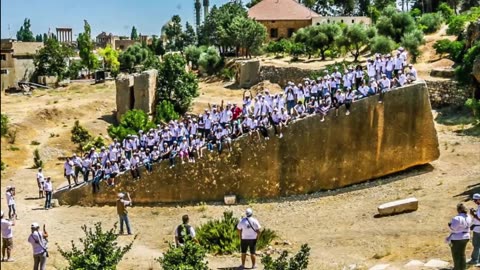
(40,181)
(38,240)
(249,232)
(48,188)
(475,257)
(7,238)
(122,211)
(459,236)
(10,196)
(184,232)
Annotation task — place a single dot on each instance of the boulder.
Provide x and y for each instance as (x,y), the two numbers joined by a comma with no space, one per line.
(434,263)
(414,264)
(247,73)
(443,72)
(400,206)
(124,95)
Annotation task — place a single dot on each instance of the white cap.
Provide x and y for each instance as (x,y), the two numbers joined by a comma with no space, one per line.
(120,195)
(35,225)
(476,196)
(249,212)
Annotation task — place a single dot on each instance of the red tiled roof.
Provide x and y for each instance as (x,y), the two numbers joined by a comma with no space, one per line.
(276,10)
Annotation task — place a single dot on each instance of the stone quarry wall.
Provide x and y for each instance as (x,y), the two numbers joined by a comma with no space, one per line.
(448,92)
(283,75)
(374,140)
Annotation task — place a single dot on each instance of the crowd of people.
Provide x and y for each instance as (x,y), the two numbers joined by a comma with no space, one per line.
(186,140)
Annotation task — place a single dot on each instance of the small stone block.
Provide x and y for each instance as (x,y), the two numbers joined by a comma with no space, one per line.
(230,199)
(435,263)
(55,203)
(400,206)
(380,267)
(414,263)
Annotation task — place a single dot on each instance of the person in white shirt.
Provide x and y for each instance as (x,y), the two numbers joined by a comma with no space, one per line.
(412,74)
(10,196)
(38,240)
(459,236)
(349,98)
(7,238)
(122,211)
(40,181)
(475,257)
(385,85)
(184,232)
(299,110)
(48,188)
(69,172)
(249,232)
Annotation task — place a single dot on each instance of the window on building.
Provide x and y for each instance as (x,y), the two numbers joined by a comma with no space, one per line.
(3,57)
(291,31)
(4,71)
(274,32)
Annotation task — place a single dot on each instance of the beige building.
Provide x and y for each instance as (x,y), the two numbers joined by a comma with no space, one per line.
(282,17)
(17,61)
(348,20)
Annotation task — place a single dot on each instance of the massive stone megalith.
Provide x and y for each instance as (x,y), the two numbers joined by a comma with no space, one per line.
(376,139)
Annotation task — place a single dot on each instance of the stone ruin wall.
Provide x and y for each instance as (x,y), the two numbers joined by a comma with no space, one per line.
(375,140)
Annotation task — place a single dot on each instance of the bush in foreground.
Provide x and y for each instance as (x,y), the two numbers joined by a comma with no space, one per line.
(190,256)
(297,262)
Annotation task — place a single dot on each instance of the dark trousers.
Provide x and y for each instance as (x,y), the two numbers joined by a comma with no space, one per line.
(11,211)
(48,199)
(458,254)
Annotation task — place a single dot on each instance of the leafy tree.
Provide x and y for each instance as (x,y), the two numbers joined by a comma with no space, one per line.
(382,4)
(190,256)
(394,24)
(192,54)
(318,37)
(134,33)
(189,37)
(97,142)
(252,3)
(446,11)
(80,135)
(130,123)
(25,34)
(464,70)
(279,47)
(110,58)
(250,34)
(456,25)
(85,47)
(139,57)
(100,249)
(297,262)
(355,37)
(164,112)
(38,38)
(454,49)
(157,46)
(175,84)
(51,59)
(373,13)
(430,22)
(4,124)
(174,35)
(74,69)
(382,44)
(210,61)
(412,41)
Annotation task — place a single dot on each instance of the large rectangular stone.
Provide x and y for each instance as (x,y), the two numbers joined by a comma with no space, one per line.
(145,85)
(400,206)
(123,84)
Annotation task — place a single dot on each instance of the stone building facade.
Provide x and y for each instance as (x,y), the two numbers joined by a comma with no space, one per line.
(17,61)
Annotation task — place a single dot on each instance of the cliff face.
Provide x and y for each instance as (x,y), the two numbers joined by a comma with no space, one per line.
(373,141)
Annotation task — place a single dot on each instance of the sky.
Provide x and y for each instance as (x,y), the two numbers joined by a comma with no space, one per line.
(111,16)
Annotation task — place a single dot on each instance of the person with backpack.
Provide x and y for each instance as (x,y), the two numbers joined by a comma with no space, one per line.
(38,240)
(249,232)
(184,232)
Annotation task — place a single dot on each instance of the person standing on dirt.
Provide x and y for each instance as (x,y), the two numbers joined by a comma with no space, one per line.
(10,196)
(7,238)
(249,232)
(475,258)
(40,181)
(48,188)
(69,172)
(122,211)
(459,236)
(38,240)
(184,232)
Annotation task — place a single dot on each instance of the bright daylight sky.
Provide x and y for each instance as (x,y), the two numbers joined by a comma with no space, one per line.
(116,17)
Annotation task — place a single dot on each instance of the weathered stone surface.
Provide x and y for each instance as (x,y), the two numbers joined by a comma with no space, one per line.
(55,203)
(124,86)
(247,72)
(379,267)
(434,263)
(144,86)
(414,264)
(472,33)
(476,69)
(374,140)
(443,72)
(230,199)
(399,206)
(50,81)
(448,92)
(285,74)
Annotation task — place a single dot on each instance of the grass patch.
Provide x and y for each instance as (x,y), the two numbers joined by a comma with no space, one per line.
(35,143)
(454,115)
(13,148)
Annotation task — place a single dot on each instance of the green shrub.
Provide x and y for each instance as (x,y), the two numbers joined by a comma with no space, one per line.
(464,71)
(130,123)
(446,11)
(97,142)
(190,256)
(295,50)
(227,74)
(382,44)
(100,250)
(4,124)
(474,105)
(221,236)
(35,143)
(430,22)
(412,41)
(454,49)
(80,135)
(456,25)
(37,160)
(165,112)
(192,54)
(210,61)
(3,166)
(278,47)
(297,262)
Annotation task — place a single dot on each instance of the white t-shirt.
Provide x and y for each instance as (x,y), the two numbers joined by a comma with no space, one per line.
(476,221)
(249,233)
(7,231)
(47,186)
(10,198)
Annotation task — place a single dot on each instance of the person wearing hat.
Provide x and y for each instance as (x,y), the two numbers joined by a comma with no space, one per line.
(69,172)
(475,257)
(48,188)
(40,181)
(385,85)
(10,197)
(412,74)
(459,236)
(122,211)
(249,232)
(184,232)
(389,64)
(98,176)
(38,240)
(7,238)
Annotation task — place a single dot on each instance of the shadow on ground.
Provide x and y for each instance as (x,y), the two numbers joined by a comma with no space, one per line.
(467,194)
